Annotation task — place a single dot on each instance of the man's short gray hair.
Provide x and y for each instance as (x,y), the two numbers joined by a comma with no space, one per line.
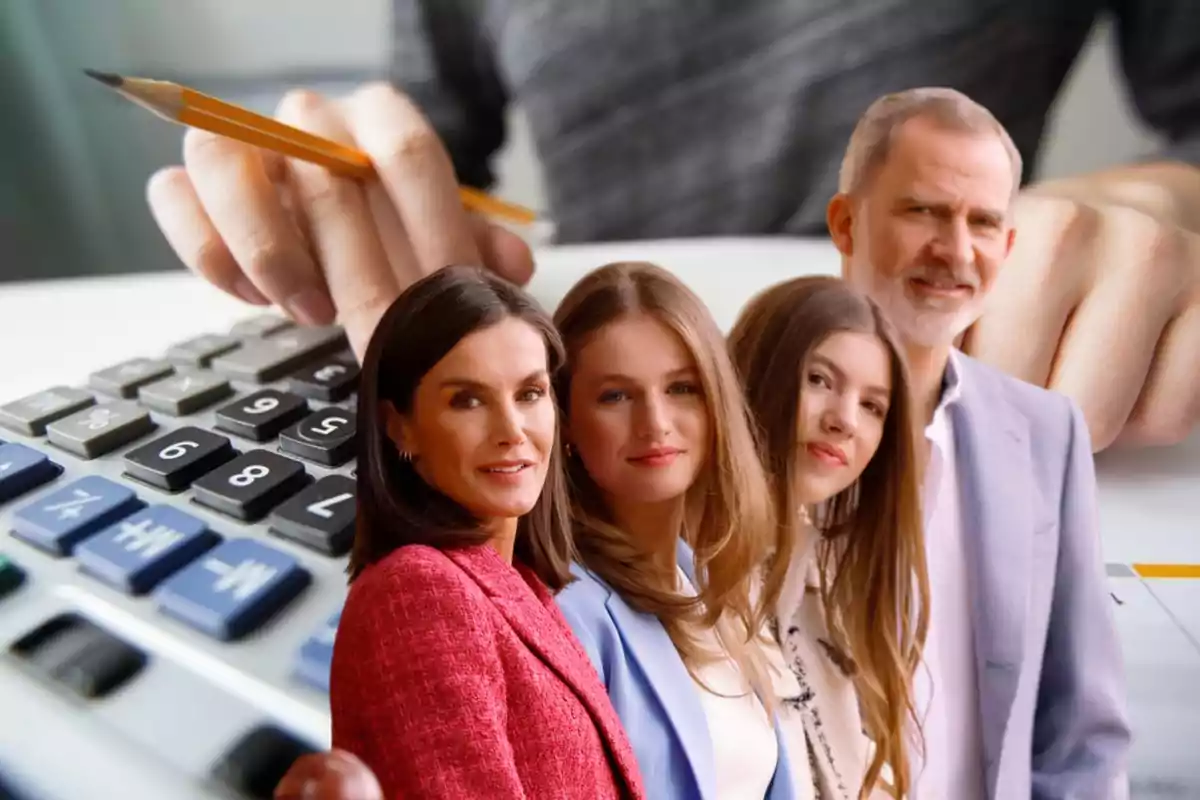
(949,108)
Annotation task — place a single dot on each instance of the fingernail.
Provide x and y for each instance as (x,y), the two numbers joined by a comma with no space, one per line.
(245,290)
(310,307)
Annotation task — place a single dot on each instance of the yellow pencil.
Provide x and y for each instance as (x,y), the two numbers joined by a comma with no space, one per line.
(179,104)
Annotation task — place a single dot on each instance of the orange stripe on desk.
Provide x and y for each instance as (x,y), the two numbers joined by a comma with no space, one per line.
(1167,570)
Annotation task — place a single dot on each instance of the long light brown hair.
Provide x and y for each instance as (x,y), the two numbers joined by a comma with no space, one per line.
(874,585)
(728,513)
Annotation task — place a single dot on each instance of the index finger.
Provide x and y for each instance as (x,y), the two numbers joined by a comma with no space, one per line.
(340,226)
(417,173)
(240,199)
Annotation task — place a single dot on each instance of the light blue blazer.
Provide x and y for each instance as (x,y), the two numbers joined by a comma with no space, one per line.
(652,691)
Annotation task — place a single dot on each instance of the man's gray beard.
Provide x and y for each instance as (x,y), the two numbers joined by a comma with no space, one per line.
(916,328)
(928,328)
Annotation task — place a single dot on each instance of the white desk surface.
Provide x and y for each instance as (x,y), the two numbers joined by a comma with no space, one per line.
(59,332)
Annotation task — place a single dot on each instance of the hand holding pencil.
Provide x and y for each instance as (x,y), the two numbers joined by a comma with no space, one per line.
(323,241)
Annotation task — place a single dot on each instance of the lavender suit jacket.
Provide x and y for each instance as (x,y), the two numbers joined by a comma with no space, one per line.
(1050,668)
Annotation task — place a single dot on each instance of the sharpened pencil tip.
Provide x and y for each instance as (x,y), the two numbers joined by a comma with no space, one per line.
(107,78)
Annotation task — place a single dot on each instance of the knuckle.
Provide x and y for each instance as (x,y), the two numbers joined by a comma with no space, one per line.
(1170,255)
(1079,225)
(211,258)
(369,303)
(1044,212)
(323,195)
(393,128)
(360,313)
(315,113)
(1051,233)
(201,146)
(300,104)
(1132,225)
(1156,269)
(416,146)
(1081,220)
(264,262)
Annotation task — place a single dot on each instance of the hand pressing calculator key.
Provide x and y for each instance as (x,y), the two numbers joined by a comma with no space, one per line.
(172,562)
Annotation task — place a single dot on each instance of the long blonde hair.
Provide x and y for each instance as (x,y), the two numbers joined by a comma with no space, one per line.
(874,585)
(728,515)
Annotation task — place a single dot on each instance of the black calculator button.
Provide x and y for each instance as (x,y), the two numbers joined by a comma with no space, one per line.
(321,517)
(262,415)
(80,655)
(251,485)
(174,461)
(255,764)
(11,576)
(330,379)
(326,436)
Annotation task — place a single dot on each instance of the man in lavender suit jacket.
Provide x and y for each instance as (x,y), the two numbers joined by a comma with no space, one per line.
(1022,691)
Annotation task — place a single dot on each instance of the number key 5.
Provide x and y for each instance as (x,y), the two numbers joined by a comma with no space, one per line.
(326,437)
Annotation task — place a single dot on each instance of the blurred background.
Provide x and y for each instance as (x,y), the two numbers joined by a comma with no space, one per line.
(74,158)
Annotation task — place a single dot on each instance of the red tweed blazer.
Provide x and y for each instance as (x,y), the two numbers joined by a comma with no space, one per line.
(455,676)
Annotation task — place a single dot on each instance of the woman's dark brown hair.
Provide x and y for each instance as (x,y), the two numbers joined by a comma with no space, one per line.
(395,505)
(874,586)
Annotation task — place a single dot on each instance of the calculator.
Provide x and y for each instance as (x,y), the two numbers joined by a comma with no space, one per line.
(173,541)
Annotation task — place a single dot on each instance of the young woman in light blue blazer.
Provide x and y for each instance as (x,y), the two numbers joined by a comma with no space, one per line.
(674,524)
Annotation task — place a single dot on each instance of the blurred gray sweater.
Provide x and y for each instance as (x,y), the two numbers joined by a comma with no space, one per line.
(661,118)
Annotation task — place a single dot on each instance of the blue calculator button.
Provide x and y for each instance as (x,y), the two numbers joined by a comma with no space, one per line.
(23,468)
(233,588)
(62,519)
(137,553)
(316,655)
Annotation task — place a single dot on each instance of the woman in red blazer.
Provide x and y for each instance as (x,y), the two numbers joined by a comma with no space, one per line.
(454,674)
